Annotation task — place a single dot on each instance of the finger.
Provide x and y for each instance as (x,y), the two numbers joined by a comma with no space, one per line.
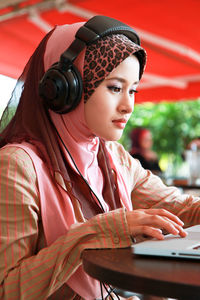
(180,229)
(166,224)
(144,218)
(148,231)
(170,218)
(164,212)
(182,232)
(160,222)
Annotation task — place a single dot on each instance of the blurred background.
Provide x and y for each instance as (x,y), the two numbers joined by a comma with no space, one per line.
(168,102)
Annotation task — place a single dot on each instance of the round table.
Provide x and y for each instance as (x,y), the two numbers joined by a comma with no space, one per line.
(166,277)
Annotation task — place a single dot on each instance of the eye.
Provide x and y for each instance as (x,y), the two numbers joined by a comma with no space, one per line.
(132,91)
(114,88)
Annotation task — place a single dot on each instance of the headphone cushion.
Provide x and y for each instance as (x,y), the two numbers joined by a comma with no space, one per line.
(61,90)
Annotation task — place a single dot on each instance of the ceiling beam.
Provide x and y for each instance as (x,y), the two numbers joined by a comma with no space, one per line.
(18,11)
(6,3)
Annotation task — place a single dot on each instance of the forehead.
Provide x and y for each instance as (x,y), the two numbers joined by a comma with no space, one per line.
(146,134)
(128,69)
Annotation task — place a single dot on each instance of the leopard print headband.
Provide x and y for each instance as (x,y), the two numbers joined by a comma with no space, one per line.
(104,56)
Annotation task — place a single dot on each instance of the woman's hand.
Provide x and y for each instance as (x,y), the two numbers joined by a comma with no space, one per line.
(151,222)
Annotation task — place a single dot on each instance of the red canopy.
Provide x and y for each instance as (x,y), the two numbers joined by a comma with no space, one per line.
(169,32)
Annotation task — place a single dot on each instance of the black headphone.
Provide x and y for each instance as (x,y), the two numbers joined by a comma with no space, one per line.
(61,86)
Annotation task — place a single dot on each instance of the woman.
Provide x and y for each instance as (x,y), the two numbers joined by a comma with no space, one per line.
(141,139)
(66,184)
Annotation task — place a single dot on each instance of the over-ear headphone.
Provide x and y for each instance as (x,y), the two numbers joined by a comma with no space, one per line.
(61,86)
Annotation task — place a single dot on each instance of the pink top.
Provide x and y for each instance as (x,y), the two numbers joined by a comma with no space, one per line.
(29,269)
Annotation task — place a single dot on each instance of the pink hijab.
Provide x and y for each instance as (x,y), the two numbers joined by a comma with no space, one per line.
(31,124)
(75,134)
(77,137)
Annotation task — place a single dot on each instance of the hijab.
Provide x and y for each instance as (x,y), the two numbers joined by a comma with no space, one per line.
(94,63)
(30,123)
(136,136)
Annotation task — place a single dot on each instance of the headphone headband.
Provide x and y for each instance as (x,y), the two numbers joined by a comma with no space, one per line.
(102,26)
(94,29)
(61,85)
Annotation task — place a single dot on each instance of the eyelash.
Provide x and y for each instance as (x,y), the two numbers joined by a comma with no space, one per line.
(118,89)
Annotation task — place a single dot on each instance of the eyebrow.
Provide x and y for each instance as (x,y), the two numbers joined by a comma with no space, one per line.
(120,79)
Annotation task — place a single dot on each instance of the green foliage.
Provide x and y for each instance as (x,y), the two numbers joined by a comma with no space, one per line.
(6,116)
(173,125)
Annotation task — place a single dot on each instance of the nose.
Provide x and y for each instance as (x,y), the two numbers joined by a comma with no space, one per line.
(126,105)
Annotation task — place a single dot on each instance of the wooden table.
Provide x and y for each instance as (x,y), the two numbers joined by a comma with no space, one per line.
(166,277)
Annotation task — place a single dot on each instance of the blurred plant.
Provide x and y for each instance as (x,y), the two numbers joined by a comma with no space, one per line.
(173,125)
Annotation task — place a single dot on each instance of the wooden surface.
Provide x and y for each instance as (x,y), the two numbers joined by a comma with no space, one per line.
(174,278)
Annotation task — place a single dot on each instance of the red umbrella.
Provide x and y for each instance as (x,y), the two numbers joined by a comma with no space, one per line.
(168,30)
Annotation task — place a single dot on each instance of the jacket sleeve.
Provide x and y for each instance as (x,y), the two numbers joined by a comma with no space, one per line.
(25,271)
(148,190)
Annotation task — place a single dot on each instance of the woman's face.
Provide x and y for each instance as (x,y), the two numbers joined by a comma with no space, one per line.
(110,106)
(146,140)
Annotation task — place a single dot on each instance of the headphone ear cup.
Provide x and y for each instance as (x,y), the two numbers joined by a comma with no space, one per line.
(61,90)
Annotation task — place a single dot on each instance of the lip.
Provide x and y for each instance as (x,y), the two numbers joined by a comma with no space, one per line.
(120,123)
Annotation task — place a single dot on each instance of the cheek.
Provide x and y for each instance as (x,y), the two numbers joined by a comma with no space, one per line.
(93,111)
(90,119)
(96,108)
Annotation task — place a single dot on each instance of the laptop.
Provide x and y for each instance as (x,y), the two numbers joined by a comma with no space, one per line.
(172,246)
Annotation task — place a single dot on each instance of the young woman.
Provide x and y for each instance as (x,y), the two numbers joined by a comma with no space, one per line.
(66,184)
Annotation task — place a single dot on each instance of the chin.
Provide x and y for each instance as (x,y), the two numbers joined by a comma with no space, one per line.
(112,138)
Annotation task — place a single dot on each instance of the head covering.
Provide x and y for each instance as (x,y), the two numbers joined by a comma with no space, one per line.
(94,64)
(25,114)
(31,122)
(136,136)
